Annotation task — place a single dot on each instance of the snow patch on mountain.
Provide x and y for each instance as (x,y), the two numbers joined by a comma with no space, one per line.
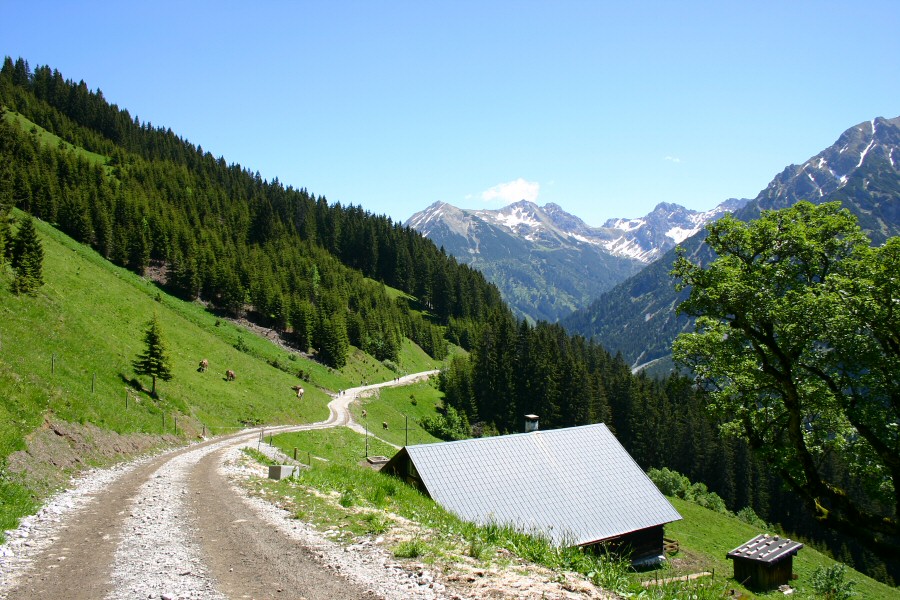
(644,238)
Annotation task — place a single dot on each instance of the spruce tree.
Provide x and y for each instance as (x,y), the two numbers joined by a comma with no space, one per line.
(334,343)
(5,236)
(154,360)
(27,259)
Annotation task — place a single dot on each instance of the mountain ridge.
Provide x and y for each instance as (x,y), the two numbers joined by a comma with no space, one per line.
(548,262)
(638,316)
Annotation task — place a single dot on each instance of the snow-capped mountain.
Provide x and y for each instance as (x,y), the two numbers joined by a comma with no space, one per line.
(649,237)
(861,170)
(643,239)
(548,262)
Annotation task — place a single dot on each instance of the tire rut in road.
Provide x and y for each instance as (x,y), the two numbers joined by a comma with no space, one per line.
(249,557)
(77,563)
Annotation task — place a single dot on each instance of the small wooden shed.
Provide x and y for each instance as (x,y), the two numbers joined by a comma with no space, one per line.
(765,562)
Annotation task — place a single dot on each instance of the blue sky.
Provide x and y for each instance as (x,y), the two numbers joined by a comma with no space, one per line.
(603,108)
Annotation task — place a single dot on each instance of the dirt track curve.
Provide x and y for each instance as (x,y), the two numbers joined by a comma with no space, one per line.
(173,526)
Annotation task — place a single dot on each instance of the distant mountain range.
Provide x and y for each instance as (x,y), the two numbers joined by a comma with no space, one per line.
(548,263)
(862,170)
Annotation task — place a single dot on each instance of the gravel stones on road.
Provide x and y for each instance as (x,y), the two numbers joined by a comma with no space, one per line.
(158,555)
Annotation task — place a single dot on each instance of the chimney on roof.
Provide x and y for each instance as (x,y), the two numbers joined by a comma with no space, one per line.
(531,423)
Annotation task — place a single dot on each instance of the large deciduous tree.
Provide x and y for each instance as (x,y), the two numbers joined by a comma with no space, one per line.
(154,360)
(797,344)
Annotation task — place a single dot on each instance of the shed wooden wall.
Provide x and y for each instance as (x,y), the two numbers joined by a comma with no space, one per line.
(760,576)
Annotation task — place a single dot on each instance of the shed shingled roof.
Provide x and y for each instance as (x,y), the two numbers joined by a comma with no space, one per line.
(766,549)
(576,485)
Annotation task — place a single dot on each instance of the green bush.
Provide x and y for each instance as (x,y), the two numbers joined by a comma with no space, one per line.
(478,548)
(673,483)
(829,583)
(376,523)
(452,425)
(348,498)
(669,482)
(747,515)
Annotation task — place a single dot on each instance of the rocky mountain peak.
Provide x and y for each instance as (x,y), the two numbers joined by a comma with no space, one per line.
(869,148)
(547,261)
(861,170)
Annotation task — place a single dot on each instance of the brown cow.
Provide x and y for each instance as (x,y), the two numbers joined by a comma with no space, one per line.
(204,364)
(300,391)
(229,375)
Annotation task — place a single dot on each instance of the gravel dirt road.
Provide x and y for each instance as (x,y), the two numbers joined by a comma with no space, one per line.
(176,526)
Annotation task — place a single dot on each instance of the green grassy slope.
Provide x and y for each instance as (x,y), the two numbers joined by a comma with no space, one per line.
(85,327)
(66,354)
(393,406)
(705,536)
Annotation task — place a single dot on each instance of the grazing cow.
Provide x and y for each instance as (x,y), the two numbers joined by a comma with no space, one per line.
(204,364)
(300,391)
(365,414)
(384,424)
(229,375)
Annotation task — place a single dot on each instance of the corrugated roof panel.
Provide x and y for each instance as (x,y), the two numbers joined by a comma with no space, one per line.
(576,485)
(766,549)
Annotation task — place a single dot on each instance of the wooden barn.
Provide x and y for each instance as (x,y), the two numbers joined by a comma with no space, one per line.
(765,562)
(577,486)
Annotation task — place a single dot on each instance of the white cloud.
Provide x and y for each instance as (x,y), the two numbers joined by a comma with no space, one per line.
(673,159)
(513,191)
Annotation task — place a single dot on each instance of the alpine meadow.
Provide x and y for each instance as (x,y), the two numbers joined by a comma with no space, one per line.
(154,294)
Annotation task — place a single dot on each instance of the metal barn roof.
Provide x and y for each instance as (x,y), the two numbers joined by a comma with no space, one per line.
(576,485)
(766,549)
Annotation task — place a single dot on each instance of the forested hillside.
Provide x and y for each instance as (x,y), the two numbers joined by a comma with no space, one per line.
(146,199)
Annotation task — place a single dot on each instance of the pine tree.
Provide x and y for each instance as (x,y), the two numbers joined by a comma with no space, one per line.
(154,360)
(27,259)
(334,344)
(5,236)
(302,318)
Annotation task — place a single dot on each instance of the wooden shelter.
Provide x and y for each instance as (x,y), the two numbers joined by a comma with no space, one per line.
(576,486)
(765,562)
